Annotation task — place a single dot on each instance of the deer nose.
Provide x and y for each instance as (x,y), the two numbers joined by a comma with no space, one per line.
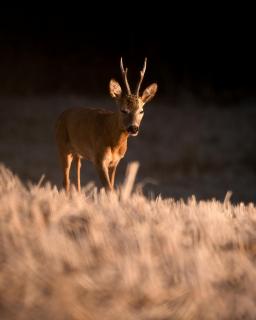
(133,129)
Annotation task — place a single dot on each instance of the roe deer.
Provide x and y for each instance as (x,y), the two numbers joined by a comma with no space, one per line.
(101,135)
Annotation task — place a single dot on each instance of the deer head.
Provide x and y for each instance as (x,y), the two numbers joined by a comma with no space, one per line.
(131,104)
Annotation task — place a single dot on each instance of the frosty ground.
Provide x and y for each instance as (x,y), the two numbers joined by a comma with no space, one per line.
(178,247)
(99,256)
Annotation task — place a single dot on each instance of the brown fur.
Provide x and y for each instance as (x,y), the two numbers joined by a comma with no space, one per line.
(99,136)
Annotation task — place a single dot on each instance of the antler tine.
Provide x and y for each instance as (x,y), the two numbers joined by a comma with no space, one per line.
(142,73)
(124,74)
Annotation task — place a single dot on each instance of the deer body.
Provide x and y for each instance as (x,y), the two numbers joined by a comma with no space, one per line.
(98,135)
(94,135)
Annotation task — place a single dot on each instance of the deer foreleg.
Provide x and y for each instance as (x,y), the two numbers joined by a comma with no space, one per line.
(78,170)
(112,174)
(102,170)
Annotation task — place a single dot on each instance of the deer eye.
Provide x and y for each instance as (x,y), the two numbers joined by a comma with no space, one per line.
(125,111)
(142,111)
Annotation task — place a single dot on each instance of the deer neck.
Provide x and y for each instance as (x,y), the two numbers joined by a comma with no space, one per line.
(119,134)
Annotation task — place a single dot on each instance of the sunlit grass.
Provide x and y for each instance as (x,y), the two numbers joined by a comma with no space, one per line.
(121,255)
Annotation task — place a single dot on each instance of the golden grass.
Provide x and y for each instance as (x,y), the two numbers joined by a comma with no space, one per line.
(122,256)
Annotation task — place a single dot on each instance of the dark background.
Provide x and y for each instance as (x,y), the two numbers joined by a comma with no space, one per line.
(207,51)
(198,136)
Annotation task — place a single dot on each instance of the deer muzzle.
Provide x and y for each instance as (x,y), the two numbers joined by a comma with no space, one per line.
(133,130)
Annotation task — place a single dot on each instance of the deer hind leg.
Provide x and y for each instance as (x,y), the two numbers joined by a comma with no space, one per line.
(78,170)
(66,160)
(102,170)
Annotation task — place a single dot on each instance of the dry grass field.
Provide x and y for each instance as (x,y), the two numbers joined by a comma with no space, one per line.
(176,247)
(123,256)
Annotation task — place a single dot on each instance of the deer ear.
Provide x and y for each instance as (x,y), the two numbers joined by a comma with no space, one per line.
(149,93)
(115,89)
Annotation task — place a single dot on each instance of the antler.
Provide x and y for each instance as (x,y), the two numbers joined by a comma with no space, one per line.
(124,74)
(142,73)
